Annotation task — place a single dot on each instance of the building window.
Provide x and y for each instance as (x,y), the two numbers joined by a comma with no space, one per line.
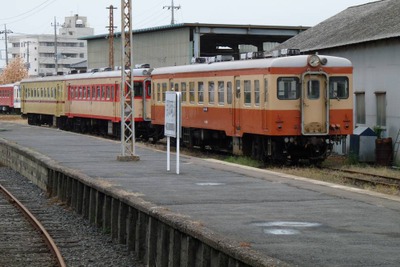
(360,107)
(381,109)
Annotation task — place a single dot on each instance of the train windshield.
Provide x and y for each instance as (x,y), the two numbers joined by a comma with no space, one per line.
(339,88)
(138,87)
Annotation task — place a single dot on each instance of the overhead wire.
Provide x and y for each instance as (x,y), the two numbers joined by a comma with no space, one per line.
(37,9)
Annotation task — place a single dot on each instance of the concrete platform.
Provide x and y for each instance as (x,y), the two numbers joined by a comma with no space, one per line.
(288,219)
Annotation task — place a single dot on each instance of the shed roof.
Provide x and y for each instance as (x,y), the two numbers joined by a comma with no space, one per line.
(358,24)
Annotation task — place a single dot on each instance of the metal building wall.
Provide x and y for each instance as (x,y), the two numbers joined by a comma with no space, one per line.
(159,48)
(376,69)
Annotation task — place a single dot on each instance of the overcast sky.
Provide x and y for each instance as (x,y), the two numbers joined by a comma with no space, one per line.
(37,16)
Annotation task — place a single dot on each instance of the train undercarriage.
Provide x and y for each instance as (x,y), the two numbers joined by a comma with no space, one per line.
(274,149)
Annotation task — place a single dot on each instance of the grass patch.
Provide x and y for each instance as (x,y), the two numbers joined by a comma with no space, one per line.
(246,161)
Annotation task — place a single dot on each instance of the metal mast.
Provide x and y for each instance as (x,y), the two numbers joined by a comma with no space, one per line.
(111,28)
(6,40)
(172,7)
(127,89)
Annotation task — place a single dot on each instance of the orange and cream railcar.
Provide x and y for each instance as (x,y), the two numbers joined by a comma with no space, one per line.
(43,99)
(94,102)
(283,108)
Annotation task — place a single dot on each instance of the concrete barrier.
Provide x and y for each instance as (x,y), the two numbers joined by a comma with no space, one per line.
(157,236)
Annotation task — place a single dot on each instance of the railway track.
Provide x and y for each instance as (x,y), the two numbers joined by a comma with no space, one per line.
(25,242)
(360,178)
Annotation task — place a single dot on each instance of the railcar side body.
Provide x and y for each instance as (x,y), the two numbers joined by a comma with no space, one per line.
(279,108)
(43,99)
(6,98)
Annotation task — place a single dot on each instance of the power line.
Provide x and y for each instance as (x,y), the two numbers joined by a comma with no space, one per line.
(46,4)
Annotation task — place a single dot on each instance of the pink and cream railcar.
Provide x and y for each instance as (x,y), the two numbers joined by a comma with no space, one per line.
(94,102)
(283,108)
(10,98)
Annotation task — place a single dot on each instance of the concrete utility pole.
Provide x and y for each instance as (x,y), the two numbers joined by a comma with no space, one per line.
(55,24)
(172,7)
(111,28)
(6,40)
(127,97)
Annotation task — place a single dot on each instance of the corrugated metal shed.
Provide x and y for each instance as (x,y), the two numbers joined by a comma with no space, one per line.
(358,24)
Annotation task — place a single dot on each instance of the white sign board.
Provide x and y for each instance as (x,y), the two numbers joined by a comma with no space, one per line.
(172,125)
(171,107)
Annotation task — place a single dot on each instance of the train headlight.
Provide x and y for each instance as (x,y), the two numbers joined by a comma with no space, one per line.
(314,61)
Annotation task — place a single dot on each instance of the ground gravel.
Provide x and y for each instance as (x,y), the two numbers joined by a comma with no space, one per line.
(80,243)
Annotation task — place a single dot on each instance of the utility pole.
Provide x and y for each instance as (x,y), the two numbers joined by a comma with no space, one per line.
(55,24)
(172,7)
(6,40)
(111,28)
(126,88)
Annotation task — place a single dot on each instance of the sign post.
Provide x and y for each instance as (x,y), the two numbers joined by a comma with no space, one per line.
(172,126)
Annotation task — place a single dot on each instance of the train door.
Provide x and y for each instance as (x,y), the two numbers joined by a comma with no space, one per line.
(264,103)
(236,105)
(315,104)
(147,100)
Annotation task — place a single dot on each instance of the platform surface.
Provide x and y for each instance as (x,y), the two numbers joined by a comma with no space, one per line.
(297,220)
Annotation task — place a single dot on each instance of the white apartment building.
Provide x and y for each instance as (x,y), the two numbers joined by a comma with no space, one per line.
(39,51)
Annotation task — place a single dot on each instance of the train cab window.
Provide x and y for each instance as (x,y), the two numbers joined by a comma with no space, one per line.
(184,93)
(288,88)
(247,92)
(200,92)
(257,92)
(221,92)
(191,92)
(158,92)
(229,92)
(211,92)
(164,91)
(339,87)
(313,89)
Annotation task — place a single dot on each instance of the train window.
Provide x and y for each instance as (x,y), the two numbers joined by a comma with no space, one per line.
(93,92)
(247,92)
(108,94)
(103,92)
(89,91)
(200,92)
(313,89)
(98,93)
(288,88)
(265,90)
(112,92)
(176,87)
(184,93)
(237,92)
(211,92)
(221,92)
(138,88)
(191,92)
(84,92)
(257,92)
(229,92)
(164,90)
(339,87)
